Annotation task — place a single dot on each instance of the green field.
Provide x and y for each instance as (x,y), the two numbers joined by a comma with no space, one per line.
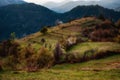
(98,46)
(103,69)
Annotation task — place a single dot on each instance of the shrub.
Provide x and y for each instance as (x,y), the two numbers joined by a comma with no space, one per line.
(39,60)
(101,17)
(27,52)
(12,36)
(10,63)
(118,24)
(44,30)
(31,64)
(9,50)
(117,39)
(104,54)
(14,49)
(77,57)
(44,58)
(43,40)
(1,66)
(105,31)
(9,47)
(89,54)
(73,57)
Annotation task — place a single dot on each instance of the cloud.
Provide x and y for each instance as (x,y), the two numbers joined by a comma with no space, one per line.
(64,1)
(44,1)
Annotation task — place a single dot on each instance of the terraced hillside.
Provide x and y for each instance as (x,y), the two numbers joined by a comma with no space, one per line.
(77,28)
(83,49)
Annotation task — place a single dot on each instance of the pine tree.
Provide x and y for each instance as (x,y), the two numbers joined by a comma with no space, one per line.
(57,53)
(12,36)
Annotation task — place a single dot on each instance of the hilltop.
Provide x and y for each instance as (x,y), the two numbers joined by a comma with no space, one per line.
(68,5)
(83,27)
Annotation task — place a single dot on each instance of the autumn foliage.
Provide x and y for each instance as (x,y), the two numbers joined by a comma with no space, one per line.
(103,32)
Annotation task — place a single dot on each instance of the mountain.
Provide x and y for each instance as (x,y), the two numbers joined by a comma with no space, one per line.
(52,5)
(117,9)
(81,11)
(71,4)
(8,2)
(24,19)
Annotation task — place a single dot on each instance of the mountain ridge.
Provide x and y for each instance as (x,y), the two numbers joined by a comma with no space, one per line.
(71,4)
(92,10)
(27,18)
(24,19)
(10,2)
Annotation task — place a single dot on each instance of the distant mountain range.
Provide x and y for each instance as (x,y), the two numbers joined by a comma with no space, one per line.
(92,10)
(8,2)
(60,7)
(52,5)
(27,18)
(117,9)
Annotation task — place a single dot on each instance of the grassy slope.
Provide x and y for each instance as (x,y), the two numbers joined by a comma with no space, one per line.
(58,32)
(103,69)
(98,46)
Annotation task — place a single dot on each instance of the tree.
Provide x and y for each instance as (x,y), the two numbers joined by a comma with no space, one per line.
(101,16)
(57,53)
(44,30)
(118,24)
(12,36)
(43,40)
(1,66)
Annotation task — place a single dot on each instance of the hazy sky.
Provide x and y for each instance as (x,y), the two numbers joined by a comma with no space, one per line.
(44,1)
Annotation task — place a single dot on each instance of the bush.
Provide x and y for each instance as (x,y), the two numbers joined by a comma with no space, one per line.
(88,55)
(44,30)
(104,54)
(44,58)
(117,39)
(12,36)
(118,24)
(9,47)
(1,66)
(101,17)
(73,58)
(77,57)
(39,60)
(26,52)
(10,63)
(104,32)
